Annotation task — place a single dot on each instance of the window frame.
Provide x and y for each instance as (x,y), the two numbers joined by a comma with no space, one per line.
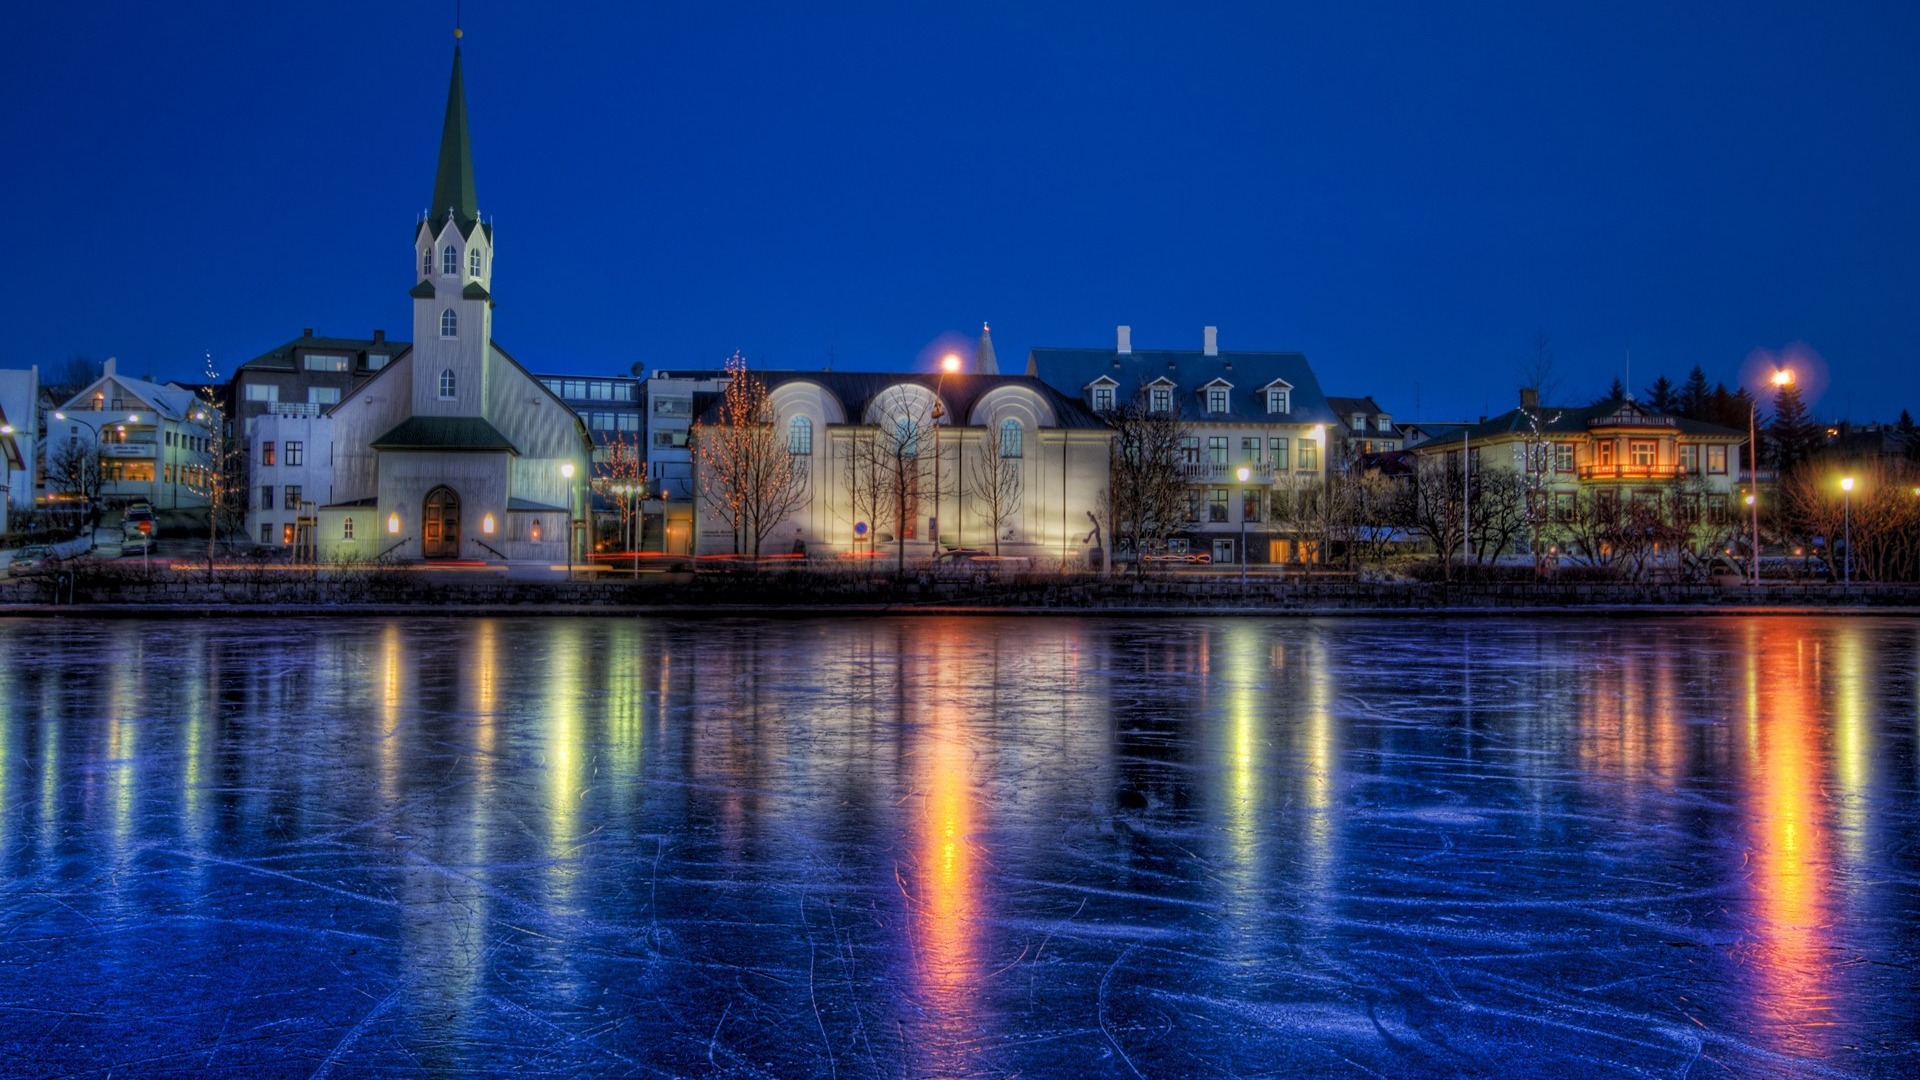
(449,385)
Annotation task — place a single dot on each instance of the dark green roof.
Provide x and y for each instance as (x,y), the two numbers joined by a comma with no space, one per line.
(475,291)
(422,291)
(453,182)
(1567,420)
(444,433)
(284,357)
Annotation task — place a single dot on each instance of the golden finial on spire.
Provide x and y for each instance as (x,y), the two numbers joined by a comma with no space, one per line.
(456,33)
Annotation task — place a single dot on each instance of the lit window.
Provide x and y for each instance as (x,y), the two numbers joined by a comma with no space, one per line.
(473,261)
(266,453)
(1307,456)
(450,260)
(346,529)
(286,534)
(1690,459)
(800,436)
(1641,452)
(1276,401)
(1102,398)
(1011,439)
(1716,459)
(1563,457)
(449,323)
(447,385)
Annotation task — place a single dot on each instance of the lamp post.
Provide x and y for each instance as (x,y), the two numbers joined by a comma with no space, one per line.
(1782,377)
(1846,517)
(566,470)
(1245,474)
(948,365)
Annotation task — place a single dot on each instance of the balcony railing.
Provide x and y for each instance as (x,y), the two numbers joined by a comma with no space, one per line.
(1630,421)
(1207,472)
(1632,472)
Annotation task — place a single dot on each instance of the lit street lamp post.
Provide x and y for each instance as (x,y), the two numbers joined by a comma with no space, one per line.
(566,470)
(948,365)
(1846,540)
(1245,474)
(1782,377)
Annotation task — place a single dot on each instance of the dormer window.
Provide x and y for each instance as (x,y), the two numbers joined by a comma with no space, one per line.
(1359,421)
(449,323)
(447,385)
(450,260)
(473,261)
(1103,398)
(1383,422)
(1276,400)
(1160,399)
(1216,399)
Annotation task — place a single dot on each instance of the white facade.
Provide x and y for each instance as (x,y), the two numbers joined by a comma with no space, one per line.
(19,443)
(291,464)
(152,440)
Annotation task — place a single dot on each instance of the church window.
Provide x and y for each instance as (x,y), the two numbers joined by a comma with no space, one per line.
(426,262)
(1011,439)
(449,323)
(450,260)
(473,261)
(446,384)
(800,436)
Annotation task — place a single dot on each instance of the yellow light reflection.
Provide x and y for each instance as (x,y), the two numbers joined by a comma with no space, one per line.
(392,699)
(1852,757)
(946,876)
(564,751)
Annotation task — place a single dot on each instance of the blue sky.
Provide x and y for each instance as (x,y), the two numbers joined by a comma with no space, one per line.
(1405,192)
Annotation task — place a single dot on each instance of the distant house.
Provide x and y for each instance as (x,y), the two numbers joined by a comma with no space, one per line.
(1261,411)
(1365,428)
(151,440)
(19,443)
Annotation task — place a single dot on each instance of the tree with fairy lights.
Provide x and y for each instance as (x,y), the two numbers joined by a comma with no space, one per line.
(749,474)
(620,473)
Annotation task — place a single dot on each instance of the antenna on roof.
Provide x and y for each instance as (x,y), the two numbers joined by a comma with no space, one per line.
(456,21)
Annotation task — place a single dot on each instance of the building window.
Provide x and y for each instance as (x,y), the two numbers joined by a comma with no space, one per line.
(426,262)
(1641,453)
(1689,459)
(1250,449)
(286,534)
(376,361)
(346,529)
(1189,450)
(1716,509)
(323,395)
(296,452)
(1276,401)
(1277,453)
(1217,451)
(800,436)
(473,261)
(1563,506)
(1606,454)
(1102,399)
(1217,504)
(1160,399)
(449,323)
(1011,439)
(266,496)
(1563,458)
(266,453)
(1250,505)
(292,497)
(447,385)
(266,532)
(450,260)
(1307,459)
(262,392)
(327,362)
(1216,399)
(1716,459)
(1193,504)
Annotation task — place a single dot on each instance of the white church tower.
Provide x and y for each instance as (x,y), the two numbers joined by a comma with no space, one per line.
(452,301)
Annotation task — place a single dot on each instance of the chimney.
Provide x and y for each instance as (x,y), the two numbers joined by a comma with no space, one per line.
(111,365)
(1210,341)
(379,336)
(1125,334)
(306,331)
(1530,399)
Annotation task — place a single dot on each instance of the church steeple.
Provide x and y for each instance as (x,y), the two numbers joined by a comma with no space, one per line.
(984,361)
(453,182)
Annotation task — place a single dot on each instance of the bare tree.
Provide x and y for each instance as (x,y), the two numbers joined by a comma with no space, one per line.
(1368,499)
(887,465)
(748,473)
(994,481)
(74,473)
(1433,507)
(1500,503)
(219,473)
(1537,368)
(1146,495)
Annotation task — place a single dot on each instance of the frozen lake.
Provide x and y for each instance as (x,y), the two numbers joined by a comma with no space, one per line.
(960,847)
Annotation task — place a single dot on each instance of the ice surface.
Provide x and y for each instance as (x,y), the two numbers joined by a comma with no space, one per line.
(960,847)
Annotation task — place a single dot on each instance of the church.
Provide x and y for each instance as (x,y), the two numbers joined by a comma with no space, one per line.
(452,449)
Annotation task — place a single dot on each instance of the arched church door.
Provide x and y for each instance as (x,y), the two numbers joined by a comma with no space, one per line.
(441,536)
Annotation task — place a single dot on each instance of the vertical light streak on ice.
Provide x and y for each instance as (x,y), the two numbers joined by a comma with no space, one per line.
(1852,754)
(10,717)
(1241,662)
(626,705)
(564,753)
(393,705)
(1790,861)
(123,743)
(1319,759)
(193,778)
(946,917)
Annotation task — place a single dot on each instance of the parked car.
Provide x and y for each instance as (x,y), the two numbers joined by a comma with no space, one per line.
(29,560)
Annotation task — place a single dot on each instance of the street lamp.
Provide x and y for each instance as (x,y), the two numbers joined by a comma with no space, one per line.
(1245,474)
(566,470)
(948,365)
(1781,378)
(1846,517)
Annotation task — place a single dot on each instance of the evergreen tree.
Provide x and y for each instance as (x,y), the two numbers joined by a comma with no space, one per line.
(1693,396)
(1663,396)
(1615,394)
(1792,435)
(1908,436)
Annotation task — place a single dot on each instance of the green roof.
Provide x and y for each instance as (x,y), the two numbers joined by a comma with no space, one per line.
(422,291)
(1567,420)
(453,182)
(445,433)
(475,291)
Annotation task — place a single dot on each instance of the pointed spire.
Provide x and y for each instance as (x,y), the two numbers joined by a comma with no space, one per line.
(983,359)
(453,183)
